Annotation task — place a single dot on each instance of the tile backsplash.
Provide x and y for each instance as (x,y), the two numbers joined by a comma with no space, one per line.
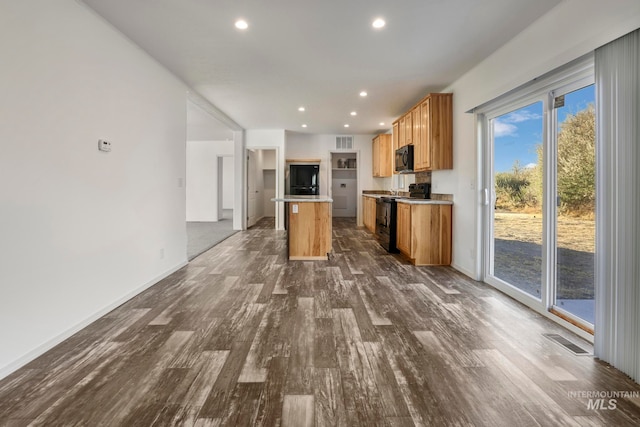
(423,177)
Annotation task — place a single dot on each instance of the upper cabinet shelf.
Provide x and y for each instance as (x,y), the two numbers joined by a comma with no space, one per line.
(428,126)
(382,156)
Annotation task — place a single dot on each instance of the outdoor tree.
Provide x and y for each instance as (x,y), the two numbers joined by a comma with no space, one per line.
(521,188)
(576,162)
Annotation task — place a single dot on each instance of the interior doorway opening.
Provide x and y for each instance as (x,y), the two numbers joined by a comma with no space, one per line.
(344,184)
(261,188)
(210,180)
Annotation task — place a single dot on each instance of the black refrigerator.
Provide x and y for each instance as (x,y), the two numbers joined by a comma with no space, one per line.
(304,180)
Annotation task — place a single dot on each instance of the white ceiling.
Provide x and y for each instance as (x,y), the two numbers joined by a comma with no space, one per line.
(319,54)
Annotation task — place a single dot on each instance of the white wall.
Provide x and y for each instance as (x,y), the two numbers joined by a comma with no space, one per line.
(228,178)
(259,185)
(239,181)
(82,230)
(317,146)
(269,177)
(570,30)
(269,160)
(202,178)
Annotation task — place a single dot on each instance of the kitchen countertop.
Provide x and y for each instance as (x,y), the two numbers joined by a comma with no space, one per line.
(300,199)
(424,202)
(411,201)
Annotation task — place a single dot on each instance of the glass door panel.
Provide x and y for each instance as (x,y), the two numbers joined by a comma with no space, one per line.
(575,199)
(517,226)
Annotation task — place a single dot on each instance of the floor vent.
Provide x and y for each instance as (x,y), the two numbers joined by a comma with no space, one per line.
(573,348)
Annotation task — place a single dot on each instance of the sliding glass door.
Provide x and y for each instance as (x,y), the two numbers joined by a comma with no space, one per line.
(539,162)
(516,214)
(574,137)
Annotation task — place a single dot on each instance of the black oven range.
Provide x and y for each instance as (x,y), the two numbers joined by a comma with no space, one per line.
(386,218)
(387,214)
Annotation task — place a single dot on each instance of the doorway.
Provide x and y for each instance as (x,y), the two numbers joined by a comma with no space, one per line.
(344,184)
(225,193)
(261,187)
(574,122)
(540,200)
(209,194)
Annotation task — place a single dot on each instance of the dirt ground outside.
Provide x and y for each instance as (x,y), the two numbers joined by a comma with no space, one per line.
(573,233)
(518,254)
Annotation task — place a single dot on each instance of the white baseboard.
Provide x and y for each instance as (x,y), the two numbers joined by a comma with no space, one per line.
(465,272)
(48,345)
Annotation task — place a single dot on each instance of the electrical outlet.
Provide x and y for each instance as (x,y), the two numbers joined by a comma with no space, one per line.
(294,208)
(162,253)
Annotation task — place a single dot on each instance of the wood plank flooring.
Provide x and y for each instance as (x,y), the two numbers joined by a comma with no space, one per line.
(244,337)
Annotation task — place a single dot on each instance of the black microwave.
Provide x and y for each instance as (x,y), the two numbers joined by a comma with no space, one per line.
(404,159)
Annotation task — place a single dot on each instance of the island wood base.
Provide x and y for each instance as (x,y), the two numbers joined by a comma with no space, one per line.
(309,230)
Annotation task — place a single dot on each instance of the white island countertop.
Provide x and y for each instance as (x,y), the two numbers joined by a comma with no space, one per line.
(301,199)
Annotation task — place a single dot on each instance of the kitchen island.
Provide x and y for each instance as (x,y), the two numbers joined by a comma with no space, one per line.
(309,226)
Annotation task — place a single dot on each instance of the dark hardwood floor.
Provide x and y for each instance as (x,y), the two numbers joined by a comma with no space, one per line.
(242,337)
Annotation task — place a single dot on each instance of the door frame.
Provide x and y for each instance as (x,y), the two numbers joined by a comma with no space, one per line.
(552,188)
(541,89)
(489,198)
(279,218)
(250,171)
(358,179)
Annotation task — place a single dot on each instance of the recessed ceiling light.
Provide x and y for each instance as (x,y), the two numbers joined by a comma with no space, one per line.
(346,126)
(304,126)
(241,24)
(353,113)
(381,123)
(378,23)
(300,108)
(363,93)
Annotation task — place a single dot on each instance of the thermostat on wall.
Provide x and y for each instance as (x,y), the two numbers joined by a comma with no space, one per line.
(104,145)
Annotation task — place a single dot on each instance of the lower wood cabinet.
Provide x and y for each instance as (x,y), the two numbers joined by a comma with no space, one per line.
(369,213)
(403,231)
(424,233)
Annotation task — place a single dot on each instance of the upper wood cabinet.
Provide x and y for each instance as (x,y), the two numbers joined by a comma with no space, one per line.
(422,153)
(408,129)
(382,159)
(430,124)
(435,149)
(396,137)
(404,128)
(415,125)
